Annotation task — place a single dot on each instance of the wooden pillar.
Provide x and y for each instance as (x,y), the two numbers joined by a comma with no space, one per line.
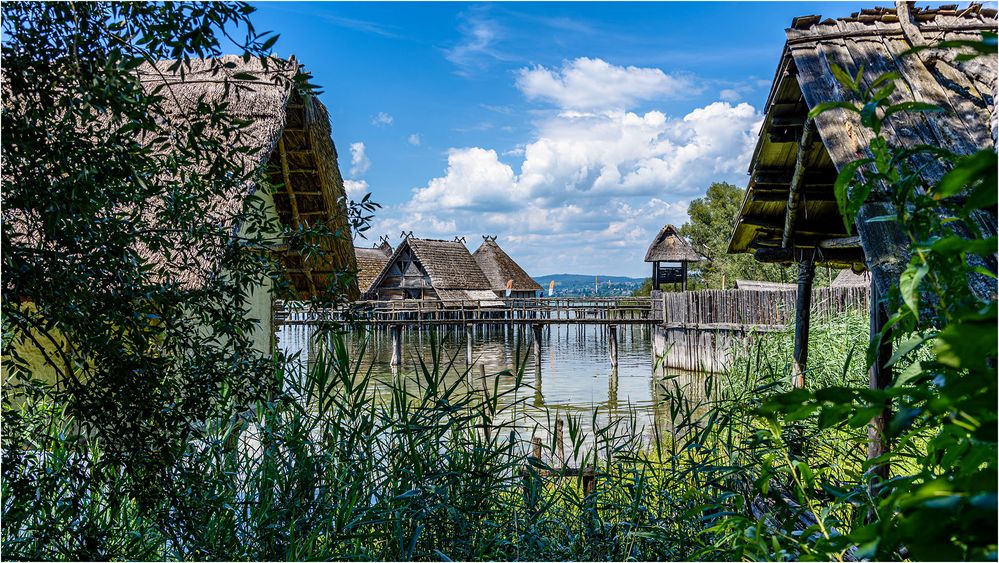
(560,440)
(536,329)
(880,378)
(802,314)
(469,339)
(612,344)
(396,345)
(655,275)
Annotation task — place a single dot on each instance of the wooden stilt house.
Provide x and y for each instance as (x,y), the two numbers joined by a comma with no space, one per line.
(670,255)
(790,214)
(433,269)
(503,272)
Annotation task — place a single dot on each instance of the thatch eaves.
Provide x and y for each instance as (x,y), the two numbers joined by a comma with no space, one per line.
(500,268)
(290,137)
(370,263)
(669,246)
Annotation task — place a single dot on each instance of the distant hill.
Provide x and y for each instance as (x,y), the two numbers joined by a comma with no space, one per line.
(582,285)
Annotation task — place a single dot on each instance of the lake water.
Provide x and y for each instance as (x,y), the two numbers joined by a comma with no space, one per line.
(574,376)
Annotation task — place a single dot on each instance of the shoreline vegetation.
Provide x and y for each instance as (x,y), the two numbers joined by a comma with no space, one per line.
(131,266)
(324,470)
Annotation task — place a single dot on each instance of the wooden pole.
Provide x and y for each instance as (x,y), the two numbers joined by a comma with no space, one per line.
(396,345)
(560,440)
(469,338)
(684,267)
(794,190)
(880,377)
(802,317)
(612,344)
(536,329)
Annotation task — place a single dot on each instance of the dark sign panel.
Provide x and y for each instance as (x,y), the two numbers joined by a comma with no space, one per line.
(670,275)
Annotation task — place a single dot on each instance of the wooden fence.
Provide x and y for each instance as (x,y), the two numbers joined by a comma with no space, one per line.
(750,308)
(700,329)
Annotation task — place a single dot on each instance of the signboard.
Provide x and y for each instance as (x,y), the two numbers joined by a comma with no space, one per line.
(670,275)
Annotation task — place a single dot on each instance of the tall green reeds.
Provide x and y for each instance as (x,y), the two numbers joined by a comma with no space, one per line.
(438,466)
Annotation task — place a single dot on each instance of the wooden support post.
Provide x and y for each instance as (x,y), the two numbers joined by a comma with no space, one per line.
(559,441)
(536,329)
(536,442)
(880,377)
(802,317)
(612,344)
(684,283)
(469,339)
(486,426)
(396,345)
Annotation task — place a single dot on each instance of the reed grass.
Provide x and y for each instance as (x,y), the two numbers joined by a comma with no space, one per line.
(445,468)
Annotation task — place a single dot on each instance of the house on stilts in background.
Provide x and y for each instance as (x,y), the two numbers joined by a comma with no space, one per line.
(504,274)
(670,255)
(433,269)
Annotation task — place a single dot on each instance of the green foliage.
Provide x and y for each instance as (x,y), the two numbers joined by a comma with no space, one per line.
(130,251)
(712,219)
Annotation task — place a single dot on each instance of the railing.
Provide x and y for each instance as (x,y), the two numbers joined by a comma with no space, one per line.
(597,310)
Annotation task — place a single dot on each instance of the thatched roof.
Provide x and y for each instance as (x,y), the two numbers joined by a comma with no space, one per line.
(669,246)
(755,285)
(876,40)
(500,268)
(370,263)
(290,136)
(849,278)
(448,264)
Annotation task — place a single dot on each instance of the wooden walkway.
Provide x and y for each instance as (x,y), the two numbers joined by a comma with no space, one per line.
(425,312)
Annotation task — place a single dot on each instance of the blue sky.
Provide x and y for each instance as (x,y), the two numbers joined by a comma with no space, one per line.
(572,131)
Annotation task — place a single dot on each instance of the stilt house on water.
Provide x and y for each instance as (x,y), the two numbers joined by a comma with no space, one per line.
(433,269)
(790,214)
(670,254)
(503,272)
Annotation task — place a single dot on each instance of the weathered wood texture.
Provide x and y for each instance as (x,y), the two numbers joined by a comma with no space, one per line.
(876,40)
(701,329)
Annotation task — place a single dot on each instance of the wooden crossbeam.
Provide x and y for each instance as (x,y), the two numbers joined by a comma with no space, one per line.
(296,219)
(794,195)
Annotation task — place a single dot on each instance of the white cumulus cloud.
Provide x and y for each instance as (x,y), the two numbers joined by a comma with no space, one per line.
(414,139)
(359,162)
(355,188)
(588,84)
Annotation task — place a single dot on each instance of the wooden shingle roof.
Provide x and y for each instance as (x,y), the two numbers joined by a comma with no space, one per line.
(875,39)
(499,268)
(370,263)
(669,246)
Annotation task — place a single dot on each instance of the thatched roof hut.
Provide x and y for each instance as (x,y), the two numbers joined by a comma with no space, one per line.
(370,263)
(669,246)
(849,278)
(432,269)
(289,135)
(789,211)
(501,269)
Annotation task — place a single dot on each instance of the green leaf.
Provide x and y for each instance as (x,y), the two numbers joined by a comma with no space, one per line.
(826,106)
(908,285)
(844,77)
(979,166)
(912,106)
(841,187)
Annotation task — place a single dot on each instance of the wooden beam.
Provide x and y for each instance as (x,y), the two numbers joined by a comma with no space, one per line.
(296,219)
(880,376)
(842,242)
(794,195)
(802,320)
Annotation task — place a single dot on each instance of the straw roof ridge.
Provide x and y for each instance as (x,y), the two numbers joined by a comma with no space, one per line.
(447,262)
(669,246)
(499,267)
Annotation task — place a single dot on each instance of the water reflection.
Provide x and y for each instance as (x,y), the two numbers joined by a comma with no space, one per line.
(571,376)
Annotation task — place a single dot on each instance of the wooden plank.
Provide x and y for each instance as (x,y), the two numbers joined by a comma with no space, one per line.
(296,220)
